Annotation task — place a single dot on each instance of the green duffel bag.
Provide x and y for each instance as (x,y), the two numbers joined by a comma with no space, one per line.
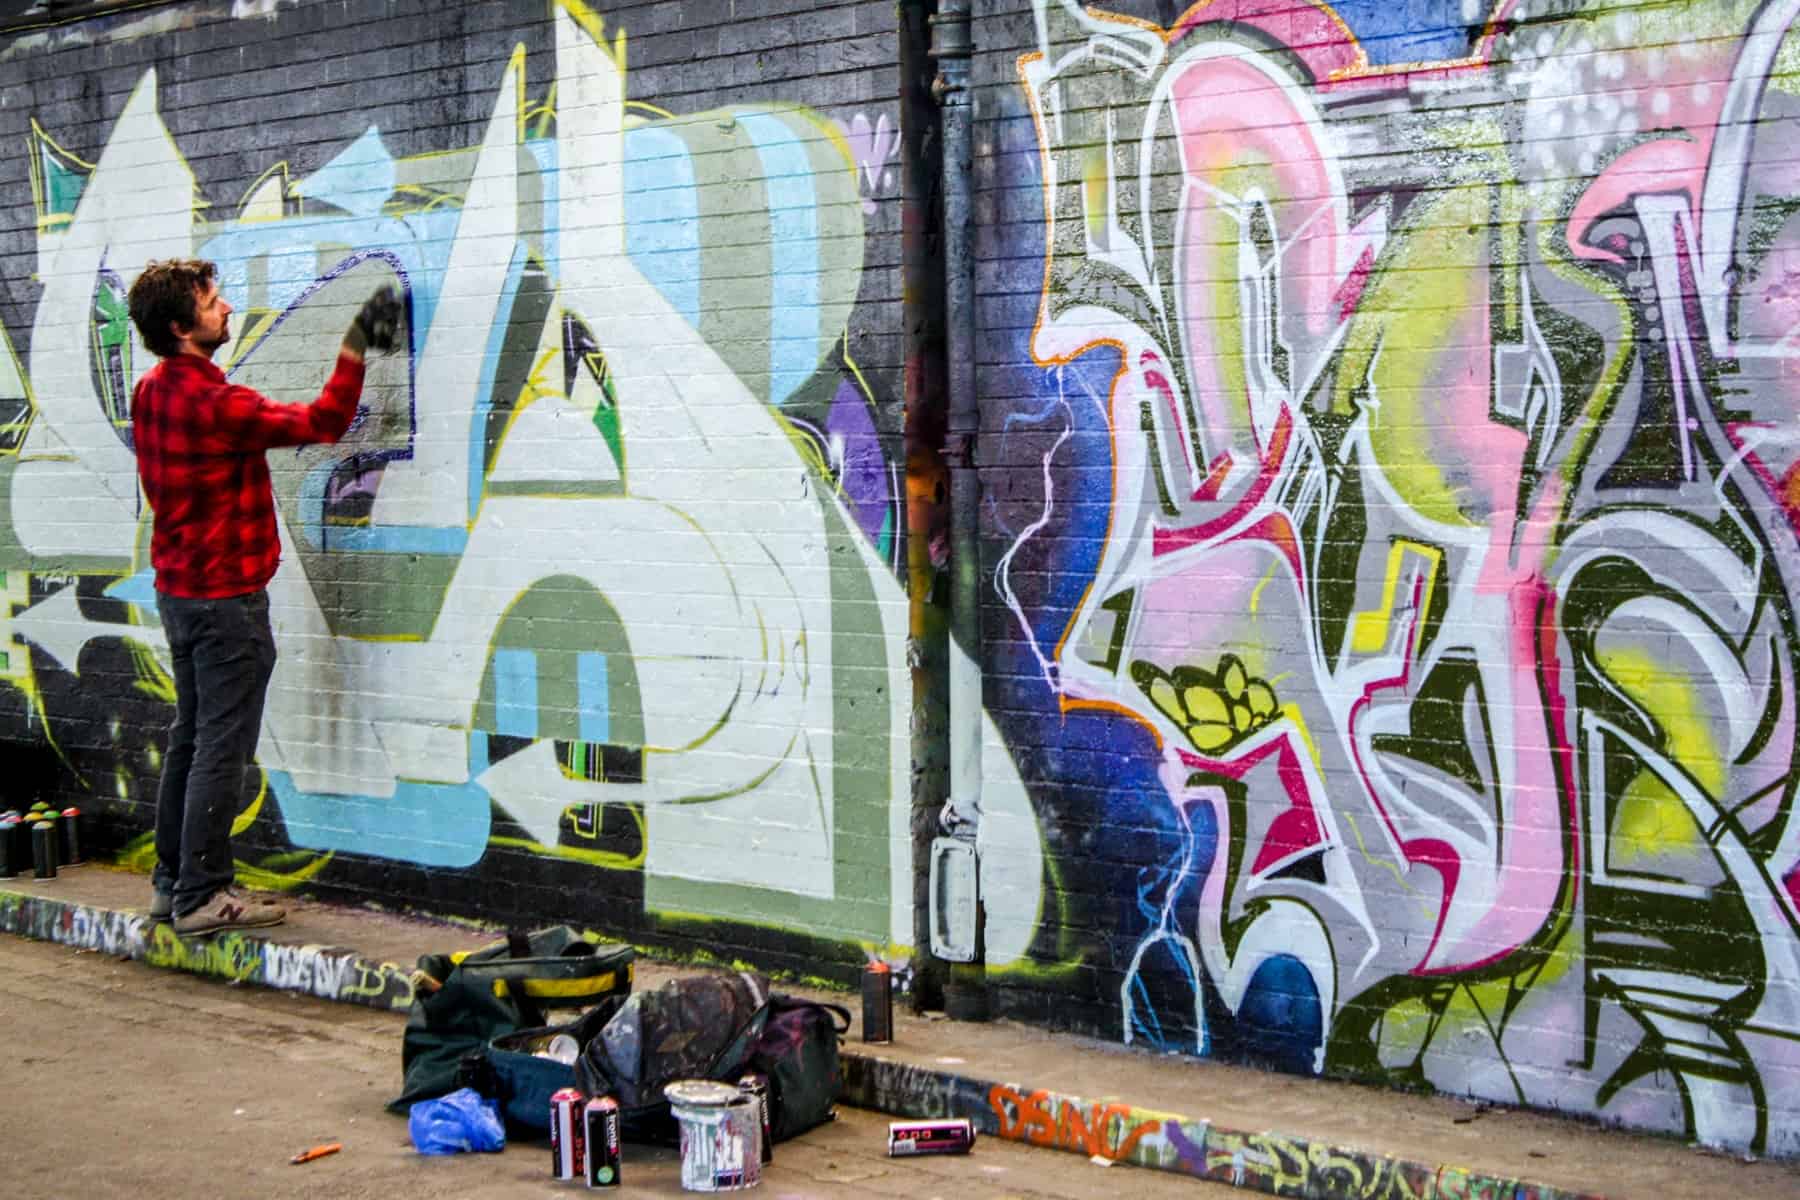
(463,1001)
(552,968)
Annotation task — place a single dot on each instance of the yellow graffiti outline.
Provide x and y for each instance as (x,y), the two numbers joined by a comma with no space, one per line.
(1257,591)
(612,859)
(268,880)
(39,188)
(594,25)
(31,407)
(26,678)
(286,186)
(1369,631)
(530,392)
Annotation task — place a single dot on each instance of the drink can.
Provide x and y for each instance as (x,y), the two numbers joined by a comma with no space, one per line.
(568,1146)
(878,1003)
(951,1136)
(757,1088)
(43,850)
(604,1162)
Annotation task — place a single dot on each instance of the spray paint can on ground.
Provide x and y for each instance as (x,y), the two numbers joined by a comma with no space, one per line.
(9,859)
(600,1120)
(68,828)
(951,1136)
(878,1003)
(20,844)
(568,1159)
(757,1088)
(43,850)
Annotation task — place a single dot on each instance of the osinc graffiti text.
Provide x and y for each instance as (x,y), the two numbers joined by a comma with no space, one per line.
(1109,1130)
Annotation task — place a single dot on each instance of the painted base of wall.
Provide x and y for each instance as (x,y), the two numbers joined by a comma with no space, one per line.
(331,973)
(1121,1133)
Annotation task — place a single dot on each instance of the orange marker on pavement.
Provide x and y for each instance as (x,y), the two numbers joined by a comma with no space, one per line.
(306,1156)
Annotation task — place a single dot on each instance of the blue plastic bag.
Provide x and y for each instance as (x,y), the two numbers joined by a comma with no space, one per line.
(458,1122)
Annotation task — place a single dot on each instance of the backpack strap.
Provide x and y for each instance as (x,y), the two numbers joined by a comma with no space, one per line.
(840,1016)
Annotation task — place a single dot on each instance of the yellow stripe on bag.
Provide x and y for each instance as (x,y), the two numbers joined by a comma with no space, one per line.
(565,988)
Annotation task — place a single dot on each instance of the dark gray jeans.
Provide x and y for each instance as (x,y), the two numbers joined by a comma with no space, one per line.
(224,653)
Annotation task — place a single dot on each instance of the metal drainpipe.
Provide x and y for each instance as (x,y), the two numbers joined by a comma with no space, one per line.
(927,480)
(955,856)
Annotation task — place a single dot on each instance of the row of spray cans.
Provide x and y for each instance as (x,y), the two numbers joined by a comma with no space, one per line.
(585,1137)
(40,840)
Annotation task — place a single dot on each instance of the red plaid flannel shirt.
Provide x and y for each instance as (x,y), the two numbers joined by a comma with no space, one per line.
(200,443)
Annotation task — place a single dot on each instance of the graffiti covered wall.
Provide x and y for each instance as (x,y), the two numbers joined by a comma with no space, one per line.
(1389,500)
(1394,513)
(596,612)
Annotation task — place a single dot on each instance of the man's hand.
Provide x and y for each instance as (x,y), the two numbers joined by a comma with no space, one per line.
(378,324)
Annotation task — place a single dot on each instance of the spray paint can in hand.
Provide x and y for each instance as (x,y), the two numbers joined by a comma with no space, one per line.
(757,1088)
(68,826)
(43,850)
(878,1003)
(601,1128)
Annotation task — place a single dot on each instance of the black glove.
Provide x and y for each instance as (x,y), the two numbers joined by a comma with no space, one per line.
(378,324)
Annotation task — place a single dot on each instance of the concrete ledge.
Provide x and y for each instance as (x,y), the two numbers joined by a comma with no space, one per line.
(329,972)
(1113,1131)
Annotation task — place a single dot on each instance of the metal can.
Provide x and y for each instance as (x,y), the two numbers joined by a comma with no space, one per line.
(43,850)
(951,1136)
(9,862)
(878,1003)
(68,826)
(18,844)
(756,1086)
(601,1128)
(568,1145)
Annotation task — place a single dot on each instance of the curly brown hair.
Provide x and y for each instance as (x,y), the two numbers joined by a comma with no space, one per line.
(166,293)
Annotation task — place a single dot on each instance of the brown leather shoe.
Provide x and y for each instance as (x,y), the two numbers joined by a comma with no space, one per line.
(225,911)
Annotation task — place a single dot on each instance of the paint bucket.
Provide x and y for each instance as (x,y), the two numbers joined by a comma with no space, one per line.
(721,1136)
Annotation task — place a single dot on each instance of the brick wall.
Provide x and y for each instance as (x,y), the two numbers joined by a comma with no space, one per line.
(1388,501)
(1389,453)
(595,615)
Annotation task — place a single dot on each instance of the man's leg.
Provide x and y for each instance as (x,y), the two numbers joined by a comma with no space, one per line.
(178,756)
(249,618)
(233,655)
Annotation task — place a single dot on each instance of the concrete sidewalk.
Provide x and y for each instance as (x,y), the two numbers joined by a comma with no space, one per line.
(1281,1134)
